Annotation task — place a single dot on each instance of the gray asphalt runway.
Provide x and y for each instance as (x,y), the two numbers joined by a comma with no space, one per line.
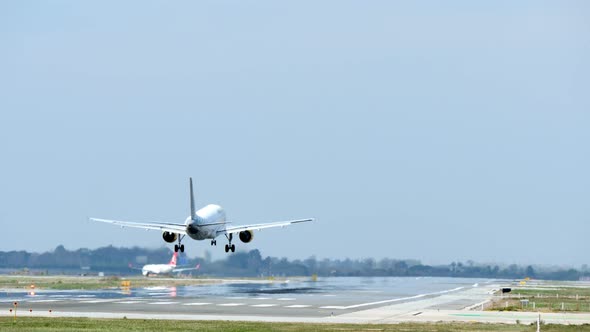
(328,297)
(329,300)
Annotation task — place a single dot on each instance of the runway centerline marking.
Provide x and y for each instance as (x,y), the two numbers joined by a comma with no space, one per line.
(230,304)
(298,306)
(98,301)
(164,302)
(128,302)
(197,303)
(286,299)
(263,305)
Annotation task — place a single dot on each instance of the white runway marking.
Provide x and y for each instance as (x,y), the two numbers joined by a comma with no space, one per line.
(42,301)
(98,301)
(263,305)
(230,304)
(235,298)
(298,306)
(164,302)
(197,303)
(286,299)
(128,302)
(392,300)
(261,298)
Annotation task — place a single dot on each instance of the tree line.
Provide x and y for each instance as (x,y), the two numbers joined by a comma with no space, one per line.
(252,264)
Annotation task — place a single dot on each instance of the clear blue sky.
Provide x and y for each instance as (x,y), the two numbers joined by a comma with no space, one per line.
(417,129)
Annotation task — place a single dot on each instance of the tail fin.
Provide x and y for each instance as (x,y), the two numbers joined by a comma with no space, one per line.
(193,215)
(173,260)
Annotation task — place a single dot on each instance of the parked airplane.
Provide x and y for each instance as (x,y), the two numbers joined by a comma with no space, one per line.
(169,268)
(206,223)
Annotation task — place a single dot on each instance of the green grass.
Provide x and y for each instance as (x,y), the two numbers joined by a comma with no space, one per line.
(545,300)
(562,292)
(114,325)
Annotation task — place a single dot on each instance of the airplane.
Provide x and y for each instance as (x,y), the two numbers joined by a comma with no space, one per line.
(206,223)
(169,268)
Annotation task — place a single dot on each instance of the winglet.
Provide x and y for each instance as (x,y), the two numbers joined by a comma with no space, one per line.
(193,215)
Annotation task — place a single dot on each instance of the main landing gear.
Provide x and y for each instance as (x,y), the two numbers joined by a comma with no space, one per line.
(179,246)
(230,246)
(213,242)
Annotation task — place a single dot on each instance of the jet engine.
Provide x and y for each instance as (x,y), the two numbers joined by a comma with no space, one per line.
(169,237)
(246,236)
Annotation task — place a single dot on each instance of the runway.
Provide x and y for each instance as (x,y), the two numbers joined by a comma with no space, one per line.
(295,298)
(346,300)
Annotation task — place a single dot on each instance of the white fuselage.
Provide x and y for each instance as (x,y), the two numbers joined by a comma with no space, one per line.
(207,224)
(157,269)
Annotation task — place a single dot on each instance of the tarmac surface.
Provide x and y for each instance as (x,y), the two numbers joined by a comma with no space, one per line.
(329,300)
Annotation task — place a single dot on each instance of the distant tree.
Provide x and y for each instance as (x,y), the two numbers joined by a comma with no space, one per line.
(60,250)
(207,256)
(512,271)
(495,270)
(453,267)
(238,260)
(254,261)
(530,272)
(400,267)
(312,264)
(459,267)
(369,263)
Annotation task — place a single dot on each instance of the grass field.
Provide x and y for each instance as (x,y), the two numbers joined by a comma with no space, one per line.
(114,325)
(571,299)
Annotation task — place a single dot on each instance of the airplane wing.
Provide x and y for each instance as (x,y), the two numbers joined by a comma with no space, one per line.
(187,268)
(154,225)
(255,227)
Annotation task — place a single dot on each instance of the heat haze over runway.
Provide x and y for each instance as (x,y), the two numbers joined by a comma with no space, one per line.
(303,298)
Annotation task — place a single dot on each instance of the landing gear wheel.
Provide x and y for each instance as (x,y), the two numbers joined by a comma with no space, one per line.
(229,246)
(179,246)
(213,242)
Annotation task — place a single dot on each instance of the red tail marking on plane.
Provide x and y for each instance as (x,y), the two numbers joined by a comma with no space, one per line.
(173,260)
